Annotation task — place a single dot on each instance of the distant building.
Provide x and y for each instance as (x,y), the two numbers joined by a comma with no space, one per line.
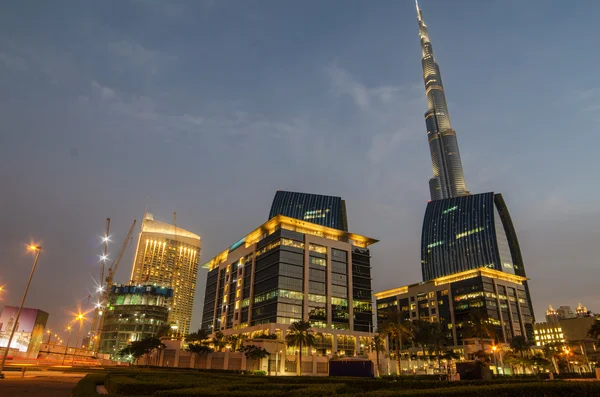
(470,232)
(451,300)
(169,256)
(329,211)
(289,270)
(564,312)
(582,311)
(569,333)
(29,330)
(134,312)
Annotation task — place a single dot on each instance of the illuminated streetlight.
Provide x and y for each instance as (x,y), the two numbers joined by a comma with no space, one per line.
(37,250)
(79,317)
(67,346)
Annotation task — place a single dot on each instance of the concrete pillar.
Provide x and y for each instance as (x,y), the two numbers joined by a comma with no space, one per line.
(177,353)
(209,361)
(244,361)
(226,359)
(314,364)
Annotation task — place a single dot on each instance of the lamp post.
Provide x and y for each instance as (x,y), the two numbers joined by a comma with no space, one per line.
(80,318)
(38,250)
(494,348)
(67,346)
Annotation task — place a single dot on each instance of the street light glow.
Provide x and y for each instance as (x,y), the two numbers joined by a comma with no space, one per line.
(105,239)
(103,257)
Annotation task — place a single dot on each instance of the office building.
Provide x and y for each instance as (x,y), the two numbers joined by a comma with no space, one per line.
(470,232)
(448,177)
(134,312)
(329,211)
(452,300)
(289,270)
(168,256)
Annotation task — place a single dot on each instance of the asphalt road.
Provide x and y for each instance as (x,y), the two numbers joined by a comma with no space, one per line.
(46,386)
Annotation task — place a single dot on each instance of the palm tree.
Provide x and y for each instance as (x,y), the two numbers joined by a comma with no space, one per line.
(378,343)
(551,352)
(521,346)
(397,328)
(299,334)
(480,328)
(219,341)
(436,341)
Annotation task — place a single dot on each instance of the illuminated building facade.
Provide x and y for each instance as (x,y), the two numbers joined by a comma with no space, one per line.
(499,297)
(289,270)
(448,177)
(329,211)
(168,256)
(469,232)
(134,312)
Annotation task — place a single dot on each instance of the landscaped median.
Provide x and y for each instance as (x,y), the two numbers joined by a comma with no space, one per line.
(178,383)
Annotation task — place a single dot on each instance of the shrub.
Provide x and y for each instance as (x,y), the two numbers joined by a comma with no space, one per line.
(86,387)
(260,373)
(539,389)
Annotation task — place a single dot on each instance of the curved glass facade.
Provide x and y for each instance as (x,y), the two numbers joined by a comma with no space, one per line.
(448,177)
(469,232)
(329,211)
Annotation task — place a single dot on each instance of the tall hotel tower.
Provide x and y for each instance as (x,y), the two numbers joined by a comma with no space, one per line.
(448,177)
(168,256)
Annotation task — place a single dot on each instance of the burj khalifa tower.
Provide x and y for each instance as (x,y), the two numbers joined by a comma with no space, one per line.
(448,177)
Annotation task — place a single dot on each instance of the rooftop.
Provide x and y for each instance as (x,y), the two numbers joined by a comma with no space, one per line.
(284,222)
(482,271)
(149,225)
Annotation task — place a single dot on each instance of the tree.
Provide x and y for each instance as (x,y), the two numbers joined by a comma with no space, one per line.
(436,341)
(253,352)
(219,341)
(199,336)
(198,350)
(480,328)
(137,349)
(537,361)
(594,331)
(299,334)
(397,329)
(378,344)
(163,330)
(522,347)
(235,341)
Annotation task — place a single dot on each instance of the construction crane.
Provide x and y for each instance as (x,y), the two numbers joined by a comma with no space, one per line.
(112,270)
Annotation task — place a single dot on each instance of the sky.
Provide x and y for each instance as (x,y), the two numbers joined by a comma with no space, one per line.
(209,107)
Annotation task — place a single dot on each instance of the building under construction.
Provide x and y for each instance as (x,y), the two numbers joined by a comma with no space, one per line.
(168,256)
(133,312)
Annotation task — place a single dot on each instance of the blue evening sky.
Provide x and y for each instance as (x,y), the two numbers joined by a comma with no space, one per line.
(209,107)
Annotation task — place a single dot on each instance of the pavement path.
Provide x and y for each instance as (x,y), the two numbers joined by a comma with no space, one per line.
(38,385)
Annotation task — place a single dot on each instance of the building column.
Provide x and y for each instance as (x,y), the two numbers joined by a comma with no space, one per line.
(314,365)
(451,309)
(306,276)
(177,353)
(226,359)
(500,309)
(328,292)
(350,292)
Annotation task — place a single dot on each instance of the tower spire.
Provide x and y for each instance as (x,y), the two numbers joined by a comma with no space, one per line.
(448,178)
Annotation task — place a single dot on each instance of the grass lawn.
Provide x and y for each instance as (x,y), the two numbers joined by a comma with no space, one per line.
(182,383)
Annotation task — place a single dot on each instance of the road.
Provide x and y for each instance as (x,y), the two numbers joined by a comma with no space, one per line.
(38,384)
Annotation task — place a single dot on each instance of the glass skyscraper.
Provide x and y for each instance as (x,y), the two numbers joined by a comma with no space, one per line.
(470,232)
(448,177)
(329,211)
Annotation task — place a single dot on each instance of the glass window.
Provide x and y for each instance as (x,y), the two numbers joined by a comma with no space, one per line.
(318,261)
(339,255)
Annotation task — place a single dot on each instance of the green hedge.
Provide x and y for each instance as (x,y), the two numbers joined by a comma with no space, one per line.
(86,387)
(538,389)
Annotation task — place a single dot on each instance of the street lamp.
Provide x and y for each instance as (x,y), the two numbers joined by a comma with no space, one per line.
(38,250)
(494,348)
(80,318)
(67,346)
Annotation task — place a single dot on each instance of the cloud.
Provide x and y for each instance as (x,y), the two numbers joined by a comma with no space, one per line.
(13,62)
(384,110)
(128,54)
(102,91)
